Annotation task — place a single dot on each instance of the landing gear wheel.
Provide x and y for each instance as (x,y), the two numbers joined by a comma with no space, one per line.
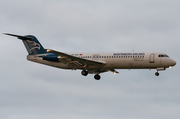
(97,77)
(157,74)
(84,73)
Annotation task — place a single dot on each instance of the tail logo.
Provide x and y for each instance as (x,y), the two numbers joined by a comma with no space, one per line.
(34,45)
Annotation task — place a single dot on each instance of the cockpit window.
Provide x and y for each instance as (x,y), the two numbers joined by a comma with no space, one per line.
(163,55)
(166,56)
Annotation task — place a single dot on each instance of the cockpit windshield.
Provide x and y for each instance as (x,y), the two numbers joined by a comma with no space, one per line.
(163,55)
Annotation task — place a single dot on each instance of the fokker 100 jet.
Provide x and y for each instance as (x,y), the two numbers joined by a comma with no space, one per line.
(94,63)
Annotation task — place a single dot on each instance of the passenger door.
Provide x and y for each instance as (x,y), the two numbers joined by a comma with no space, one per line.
(152,58)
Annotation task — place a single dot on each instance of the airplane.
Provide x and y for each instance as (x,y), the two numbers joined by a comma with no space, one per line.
(96,62)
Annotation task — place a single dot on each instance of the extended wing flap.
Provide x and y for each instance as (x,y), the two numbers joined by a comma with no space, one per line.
(95,71)
(114,71)
(69,59)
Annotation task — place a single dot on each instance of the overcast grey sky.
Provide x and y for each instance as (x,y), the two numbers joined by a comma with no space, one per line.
(33,91)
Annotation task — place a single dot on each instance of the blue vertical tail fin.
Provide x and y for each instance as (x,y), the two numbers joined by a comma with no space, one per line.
(31,43)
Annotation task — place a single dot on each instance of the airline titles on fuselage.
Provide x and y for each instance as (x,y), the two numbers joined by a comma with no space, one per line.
(136,56)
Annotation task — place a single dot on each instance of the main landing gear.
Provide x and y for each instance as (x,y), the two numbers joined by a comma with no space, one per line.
(97,77)
(157,74)
(85,73)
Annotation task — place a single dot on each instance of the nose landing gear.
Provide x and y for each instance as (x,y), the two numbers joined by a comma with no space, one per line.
(157,73)
(159,69)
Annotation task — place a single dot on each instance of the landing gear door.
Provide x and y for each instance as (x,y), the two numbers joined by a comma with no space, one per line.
(152,58)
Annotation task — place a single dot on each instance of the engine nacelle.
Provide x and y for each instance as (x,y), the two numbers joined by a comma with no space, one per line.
(51,58)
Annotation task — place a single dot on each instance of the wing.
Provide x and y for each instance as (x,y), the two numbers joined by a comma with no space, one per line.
(75,62)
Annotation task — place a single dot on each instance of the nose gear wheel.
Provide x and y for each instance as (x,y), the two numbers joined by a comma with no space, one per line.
(157,74)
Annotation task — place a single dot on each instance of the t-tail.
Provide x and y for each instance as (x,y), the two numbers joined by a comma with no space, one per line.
(31,43)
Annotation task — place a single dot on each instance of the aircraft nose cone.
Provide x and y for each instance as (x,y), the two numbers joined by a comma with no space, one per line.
(173,63)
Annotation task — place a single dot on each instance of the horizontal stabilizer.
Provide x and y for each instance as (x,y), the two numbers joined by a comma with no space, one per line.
(19,37)
(31,43)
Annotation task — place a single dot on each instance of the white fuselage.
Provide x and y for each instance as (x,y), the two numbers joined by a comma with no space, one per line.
(131,60)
